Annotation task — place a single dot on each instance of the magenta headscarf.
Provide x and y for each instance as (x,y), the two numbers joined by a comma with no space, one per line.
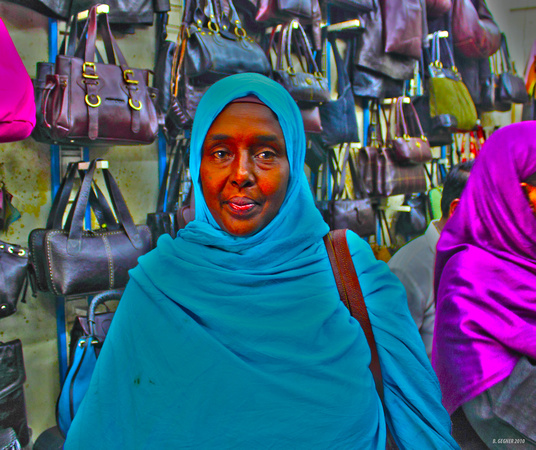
(485,273)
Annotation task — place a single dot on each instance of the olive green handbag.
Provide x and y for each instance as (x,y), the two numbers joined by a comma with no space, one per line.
(448,92)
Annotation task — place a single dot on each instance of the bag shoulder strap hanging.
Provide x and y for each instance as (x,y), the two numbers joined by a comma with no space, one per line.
(352,297)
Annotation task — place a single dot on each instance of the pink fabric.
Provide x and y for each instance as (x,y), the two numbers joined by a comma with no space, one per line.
(17,103)
(485,274)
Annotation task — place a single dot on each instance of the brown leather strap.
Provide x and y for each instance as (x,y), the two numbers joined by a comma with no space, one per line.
(352,296)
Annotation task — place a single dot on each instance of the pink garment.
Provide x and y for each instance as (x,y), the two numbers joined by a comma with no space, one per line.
(485,274)
(17,103)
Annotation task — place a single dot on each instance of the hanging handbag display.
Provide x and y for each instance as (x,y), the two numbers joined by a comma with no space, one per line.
(12,378)
(82,365)
(13,277)
(91,103)
(218,46)
(308,87)
(338,117)
(68,260)
(475,34)
(408,147)
(402,27)
(357,213)
(171,193)
(17,108)
(164,65)
(448,93)
(510,87)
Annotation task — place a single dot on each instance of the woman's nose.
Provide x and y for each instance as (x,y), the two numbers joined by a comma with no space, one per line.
(243,171)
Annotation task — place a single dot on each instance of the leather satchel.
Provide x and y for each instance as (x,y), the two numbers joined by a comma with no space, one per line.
(339,120)
(72,261)
(308,87)
(218,46)
(436,8)
(510,86)
(83,363)
(356,214)
(407,148)
(92,103)
(13,277)
(448,93)
(475,34)
(402,26)
(12,402)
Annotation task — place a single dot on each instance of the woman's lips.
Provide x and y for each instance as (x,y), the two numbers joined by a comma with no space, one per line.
(241,204)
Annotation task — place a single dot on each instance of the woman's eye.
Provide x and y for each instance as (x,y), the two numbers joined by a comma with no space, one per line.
(220,154)
(266,154)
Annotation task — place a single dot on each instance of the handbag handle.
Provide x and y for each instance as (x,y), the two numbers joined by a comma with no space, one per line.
(302,45)
(74,241)
(97,300)
(343,80)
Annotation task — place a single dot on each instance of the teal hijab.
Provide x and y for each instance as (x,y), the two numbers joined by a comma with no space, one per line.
(224,342)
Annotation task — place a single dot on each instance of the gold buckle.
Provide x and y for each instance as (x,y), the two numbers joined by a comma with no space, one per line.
(136,108)
(127,79)
(88,75)
(93,105)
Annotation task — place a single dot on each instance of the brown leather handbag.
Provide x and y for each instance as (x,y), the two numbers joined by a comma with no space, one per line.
(402,27)
(407,149)
(92,103)
(475,34)
(68,260)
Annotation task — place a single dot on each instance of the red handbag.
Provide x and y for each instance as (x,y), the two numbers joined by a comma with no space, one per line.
(475,34)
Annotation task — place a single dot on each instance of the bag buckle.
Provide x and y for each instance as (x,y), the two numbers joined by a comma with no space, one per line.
(93,76)
(126,74)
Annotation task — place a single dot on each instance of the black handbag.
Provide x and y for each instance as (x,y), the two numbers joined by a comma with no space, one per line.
(68,260)
(357,213)
(308,87)
(163,66)
(12,378)
(510,86)
(218,46)
(171,193)
(338,117)
(13,277)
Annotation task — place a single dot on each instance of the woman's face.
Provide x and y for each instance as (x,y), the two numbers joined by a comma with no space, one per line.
(244,168)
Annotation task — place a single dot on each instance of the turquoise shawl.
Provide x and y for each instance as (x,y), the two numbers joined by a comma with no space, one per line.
(242,342)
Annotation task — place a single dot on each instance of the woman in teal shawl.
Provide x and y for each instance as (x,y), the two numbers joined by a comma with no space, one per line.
(240,340)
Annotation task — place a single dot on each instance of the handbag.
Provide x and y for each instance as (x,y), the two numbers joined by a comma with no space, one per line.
(163,66)
(92,103)
(475,34)
(358,6)
(402,27)
(351,295)
(12,378)
(355,213)
(448,93)
(13,277)
(67,260)
(510,86)
(219,46)
(407,147)
(17,108)
(170,193)
(83,364)
(308,87)
(338,117)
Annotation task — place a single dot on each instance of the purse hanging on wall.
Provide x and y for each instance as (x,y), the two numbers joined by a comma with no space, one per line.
(402,27)
(91,103)
(357,213)
(338,117)
(510,86)
(69,260)
(13,277)
(448,93)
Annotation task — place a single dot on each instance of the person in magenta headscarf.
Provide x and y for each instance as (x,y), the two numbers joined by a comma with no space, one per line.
(485,284)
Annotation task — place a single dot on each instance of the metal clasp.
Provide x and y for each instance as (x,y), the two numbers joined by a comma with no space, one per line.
(126,73)
(88,75)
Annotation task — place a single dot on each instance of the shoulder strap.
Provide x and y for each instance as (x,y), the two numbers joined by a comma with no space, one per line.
(352,296)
